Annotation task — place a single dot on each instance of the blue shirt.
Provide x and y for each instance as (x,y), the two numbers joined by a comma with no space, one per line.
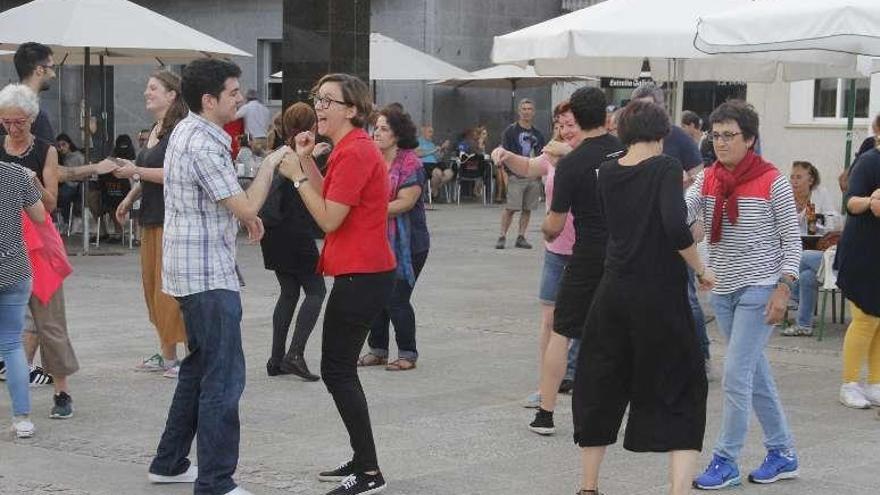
(428,150)
(680,146)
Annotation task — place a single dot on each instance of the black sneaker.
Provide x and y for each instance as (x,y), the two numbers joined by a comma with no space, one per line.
(360,484)
(521,242)
(63,408)
(566,386)
(2,370)
(340,473)
(543,423)
(499,244)
(40,377)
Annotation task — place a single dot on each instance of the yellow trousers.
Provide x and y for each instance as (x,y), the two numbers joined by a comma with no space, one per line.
(862,343)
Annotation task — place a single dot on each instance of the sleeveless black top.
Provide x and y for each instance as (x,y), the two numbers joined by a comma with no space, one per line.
(34,158)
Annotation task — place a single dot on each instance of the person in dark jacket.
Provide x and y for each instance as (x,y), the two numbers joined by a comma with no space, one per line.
(289,250)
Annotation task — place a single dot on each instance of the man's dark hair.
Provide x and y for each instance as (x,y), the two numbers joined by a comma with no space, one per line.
(205,77)
(28,57)
(588,105)
(401,125)
(740,112)
(689,117)
(642,121)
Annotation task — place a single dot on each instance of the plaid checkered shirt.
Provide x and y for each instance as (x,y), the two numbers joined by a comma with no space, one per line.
(198,246)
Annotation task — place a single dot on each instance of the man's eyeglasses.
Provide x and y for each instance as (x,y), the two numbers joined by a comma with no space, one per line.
(724,137)
(324,102)
(13,122)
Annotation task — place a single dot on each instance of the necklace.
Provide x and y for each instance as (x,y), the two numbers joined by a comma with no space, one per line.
(21,154)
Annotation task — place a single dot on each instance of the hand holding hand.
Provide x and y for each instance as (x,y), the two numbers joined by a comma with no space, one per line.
(776,306)
(291,167)
(557,149)
(125,171)
(275,157)
(499,154)
(105,166)
(255,230)
(305,143)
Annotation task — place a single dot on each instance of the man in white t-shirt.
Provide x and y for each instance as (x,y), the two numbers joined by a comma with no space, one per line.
(257,119)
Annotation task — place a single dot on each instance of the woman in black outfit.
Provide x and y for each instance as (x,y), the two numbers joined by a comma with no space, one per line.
(289,250)
(639,347)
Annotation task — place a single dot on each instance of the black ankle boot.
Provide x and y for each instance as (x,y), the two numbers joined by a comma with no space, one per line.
(274,369)
(296,365)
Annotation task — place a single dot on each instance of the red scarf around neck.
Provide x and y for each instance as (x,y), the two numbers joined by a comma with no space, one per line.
(726,188)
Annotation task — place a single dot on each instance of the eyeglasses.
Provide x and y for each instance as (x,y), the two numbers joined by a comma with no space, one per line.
(724,137)
(13,122)
(323,102)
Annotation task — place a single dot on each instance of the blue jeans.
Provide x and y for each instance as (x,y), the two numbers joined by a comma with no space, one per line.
(209,385)
(13,301)
(748,381)
(401,314)
(699,317)
(804,290)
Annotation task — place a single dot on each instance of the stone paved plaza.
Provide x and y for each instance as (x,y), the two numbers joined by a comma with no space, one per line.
(453,426)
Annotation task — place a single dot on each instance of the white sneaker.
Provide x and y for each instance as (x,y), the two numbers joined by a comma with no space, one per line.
(239,491)
(851,395)
(872,393)
(172,372)
(188,477)
(22,427)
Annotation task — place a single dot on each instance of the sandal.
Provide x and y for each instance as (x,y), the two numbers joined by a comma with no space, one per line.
(370,359)
(402,364)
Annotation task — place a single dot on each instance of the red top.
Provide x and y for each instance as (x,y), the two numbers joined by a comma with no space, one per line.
(358,177)
(234,128)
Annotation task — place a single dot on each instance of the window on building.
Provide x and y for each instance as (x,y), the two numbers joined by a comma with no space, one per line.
(831,98)
(270,63)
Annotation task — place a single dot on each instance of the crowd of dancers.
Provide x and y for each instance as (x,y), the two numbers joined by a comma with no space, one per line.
(621,264)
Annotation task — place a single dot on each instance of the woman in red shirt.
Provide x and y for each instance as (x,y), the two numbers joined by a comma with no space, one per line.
(350,204)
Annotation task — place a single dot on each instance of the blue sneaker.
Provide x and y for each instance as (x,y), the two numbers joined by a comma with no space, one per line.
(720,473)
(778,465)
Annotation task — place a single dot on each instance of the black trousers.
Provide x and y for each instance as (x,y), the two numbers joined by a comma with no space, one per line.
(313,286)
(640,349)
(353,305)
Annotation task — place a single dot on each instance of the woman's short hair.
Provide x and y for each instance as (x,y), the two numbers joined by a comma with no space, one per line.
(19,97)
(560,108)
(740,112)
(354,92)
(811,169)
(642,121)
(401,125)
(299,117)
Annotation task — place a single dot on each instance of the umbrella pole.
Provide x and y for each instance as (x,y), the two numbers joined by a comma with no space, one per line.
(850,118)
(87,146)
(105,137)
(513,114)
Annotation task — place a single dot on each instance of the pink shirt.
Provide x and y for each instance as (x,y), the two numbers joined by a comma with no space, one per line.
(564,243)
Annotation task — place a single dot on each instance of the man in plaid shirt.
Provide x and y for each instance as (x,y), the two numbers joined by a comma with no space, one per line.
(203,205)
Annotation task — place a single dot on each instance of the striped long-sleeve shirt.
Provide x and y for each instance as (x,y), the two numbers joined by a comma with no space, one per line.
(765,242)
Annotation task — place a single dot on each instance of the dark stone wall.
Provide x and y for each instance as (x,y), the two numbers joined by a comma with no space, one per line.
(322,37)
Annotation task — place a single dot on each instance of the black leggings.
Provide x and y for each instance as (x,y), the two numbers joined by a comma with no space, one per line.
(313,285)
(353,305)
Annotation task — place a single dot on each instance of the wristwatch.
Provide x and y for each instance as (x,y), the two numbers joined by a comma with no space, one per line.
(136,177)
(299,182)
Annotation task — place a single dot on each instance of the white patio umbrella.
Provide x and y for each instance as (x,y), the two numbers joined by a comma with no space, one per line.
(391,60)
(613,37)
(105,32)
(844,34)
(506,76)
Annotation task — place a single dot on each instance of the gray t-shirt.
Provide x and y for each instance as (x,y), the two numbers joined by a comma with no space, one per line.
(17,191)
